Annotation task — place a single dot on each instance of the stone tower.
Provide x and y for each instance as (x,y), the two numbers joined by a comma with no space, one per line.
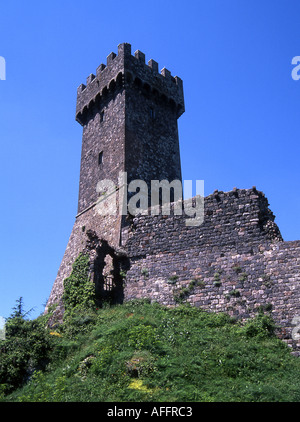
(129,114)
(234,261)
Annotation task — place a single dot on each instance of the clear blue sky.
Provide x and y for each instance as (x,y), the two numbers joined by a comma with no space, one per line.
(240,127)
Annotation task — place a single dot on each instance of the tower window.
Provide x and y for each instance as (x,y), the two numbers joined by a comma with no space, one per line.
(100,158)
(152,113)
(102,116)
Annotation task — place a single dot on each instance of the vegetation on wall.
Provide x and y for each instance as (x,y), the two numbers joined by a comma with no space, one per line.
(79,291)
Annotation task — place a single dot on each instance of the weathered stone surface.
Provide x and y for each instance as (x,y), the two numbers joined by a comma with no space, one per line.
(129,116)
(235,261)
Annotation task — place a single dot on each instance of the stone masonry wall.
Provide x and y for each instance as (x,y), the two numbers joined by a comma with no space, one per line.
(235,262)
(129,114)
(108,228)
(103,133)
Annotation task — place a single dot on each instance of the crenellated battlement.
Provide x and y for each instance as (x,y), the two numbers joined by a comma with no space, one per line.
(124,69)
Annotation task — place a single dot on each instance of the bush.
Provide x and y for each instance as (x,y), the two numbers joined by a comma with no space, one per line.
(261,326)
(27,347)
(143,337)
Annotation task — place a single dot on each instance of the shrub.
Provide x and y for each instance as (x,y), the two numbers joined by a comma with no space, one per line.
(102,359)
(243,277)
(261,326)
(145,272)
(235,293)
(173,279)
(141,363)
(143,337)
(27,347)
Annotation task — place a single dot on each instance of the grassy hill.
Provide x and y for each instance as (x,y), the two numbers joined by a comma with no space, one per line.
(146,352)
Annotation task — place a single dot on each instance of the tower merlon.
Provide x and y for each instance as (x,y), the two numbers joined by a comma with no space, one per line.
(99,69)
(140,56)
(90,78)
(110,58)
(153,64)
(120,69)
(165,72)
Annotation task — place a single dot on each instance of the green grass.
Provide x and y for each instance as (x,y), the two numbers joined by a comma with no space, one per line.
(146,352)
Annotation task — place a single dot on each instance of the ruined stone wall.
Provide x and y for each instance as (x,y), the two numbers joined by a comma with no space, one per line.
(235,262)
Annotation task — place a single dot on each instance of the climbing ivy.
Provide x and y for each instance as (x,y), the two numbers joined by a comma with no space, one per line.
(79,291)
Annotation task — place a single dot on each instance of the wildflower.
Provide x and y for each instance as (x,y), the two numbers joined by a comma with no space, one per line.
(55,333)
(137,384)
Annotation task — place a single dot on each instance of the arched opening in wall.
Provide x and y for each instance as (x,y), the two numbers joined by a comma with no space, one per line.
(85,113)
(98,101)
(109,270)
(128,77)
(146,89)
(105,92)
(112,85)
(172,105)
(119,80)
(164,98)
(138,83)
